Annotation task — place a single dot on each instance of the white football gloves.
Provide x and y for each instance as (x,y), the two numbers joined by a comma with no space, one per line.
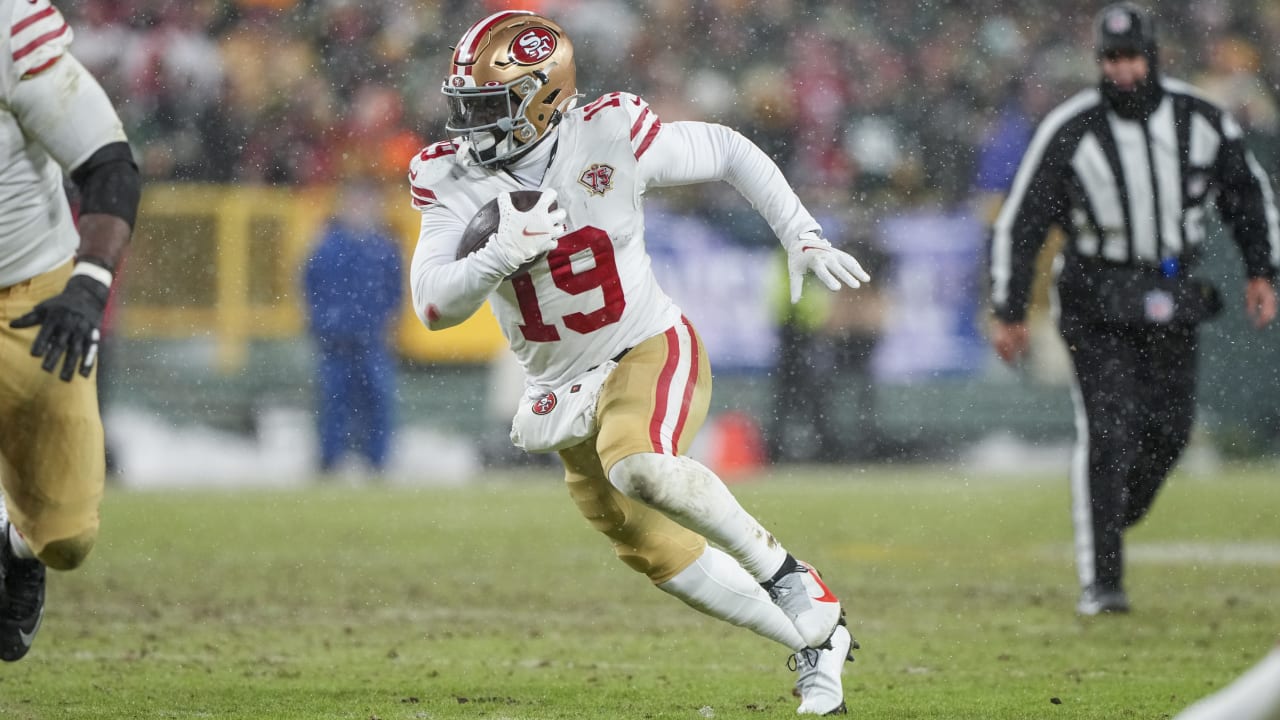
(525,235)
(812,253)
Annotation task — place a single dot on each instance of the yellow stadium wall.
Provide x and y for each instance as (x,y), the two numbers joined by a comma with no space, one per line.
(224,262)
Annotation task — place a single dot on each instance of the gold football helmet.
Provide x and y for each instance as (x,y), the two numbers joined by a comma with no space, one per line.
(511,79)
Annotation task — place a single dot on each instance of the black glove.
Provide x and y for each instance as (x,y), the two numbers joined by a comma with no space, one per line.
(69,324)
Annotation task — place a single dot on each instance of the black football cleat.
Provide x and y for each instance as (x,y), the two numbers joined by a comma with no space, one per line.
(21,603)
(1095,600)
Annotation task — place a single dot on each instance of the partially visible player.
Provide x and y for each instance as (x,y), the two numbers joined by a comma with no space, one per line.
(55,121)
(1255,695)
(618,381)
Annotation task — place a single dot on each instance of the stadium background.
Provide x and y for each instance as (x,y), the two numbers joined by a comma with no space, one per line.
(899,123)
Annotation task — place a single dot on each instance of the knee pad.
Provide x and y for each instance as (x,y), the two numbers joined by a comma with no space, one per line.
(643,476)
(68,553)
(647,541)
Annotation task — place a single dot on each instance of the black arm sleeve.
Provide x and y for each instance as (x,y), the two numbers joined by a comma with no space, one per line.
(109,183)
(1247,204)
(1024,225)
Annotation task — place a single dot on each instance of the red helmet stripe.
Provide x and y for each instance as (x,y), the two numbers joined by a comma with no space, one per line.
(467,46)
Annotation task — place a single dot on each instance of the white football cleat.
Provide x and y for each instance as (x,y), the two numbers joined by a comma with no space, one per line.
(799,591)
(818,681)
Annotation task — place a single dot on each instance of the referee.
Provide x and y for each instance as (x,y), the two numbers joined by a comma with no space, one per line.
(1128,171)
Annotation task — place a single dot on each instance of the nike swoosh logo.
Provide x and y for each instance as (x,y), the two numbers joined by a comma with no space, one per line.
(827,596)
(811,247)
(29,637)
(530,234)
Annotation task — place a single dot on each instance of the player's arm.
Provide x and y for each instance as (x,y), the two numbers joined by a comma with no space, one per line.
(62,106)
(446,291)
(681,153)
(1035,203)
(1247,202)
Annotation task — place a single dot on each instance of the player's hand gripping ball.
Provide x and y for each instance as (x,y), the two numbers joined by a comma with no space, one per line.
(487,223)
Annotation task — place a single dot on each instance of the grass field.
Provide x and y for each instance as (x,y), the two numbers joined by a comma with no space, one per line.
(496,601)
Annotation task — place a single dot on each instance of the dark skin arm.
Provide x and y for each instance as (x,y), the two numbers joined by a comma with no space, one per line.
(104,238)
(69,321)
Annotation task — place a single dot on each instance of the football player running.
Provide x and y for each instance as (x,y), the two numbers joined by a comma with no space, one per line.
(55,119)
(618,381)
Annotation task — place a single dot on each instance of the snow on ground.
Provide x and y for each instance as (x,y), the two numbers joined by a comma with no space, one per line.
(153,452)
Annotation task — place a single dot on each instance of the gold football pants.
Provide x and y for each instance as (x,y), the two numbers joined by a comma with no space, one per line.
(653,402)
(51,444)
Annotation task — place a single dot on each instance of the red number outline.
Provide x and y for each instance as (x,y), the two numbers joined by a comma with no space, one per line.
(603,274)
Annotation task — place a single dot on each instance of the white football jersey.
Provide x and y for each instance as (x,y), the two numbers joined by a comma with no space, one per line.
(53,116)
(594,295)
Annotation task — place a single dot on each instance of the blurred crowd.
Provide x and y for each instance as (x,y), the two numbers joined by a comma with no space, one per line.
(889,105)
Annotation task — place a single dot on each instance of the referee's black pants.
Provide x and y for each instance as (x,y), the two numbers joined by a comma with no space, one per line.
(1135,406)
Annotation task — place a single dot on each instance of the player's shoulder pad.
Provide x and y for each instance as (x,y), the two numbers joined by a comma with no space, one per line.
(38,36)
(433,165)
(632,112)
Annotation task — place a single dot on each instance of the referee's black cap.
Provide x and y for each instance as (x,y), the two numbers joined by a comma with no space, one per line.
(1125,28)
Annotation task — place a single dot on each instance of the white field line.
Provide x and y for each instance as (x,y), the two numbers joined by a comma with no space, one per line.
(1260,554)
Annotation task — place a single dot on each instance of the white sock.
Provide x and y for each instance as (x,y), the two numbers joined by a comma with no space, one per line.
(1255,695)
(689,493)
(718,586)
(18,544)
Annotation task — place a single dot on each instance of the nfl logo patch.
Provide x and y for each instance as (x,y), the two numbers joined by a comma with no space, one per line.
(1118,22)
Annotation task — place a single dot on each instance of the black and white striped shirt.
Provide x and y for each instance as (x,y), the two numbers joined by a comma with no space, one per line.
(1132,193)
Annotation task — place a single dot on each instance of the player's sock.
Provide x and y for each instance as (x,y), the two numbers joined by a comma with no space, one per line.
(1253,696)
(689,493)
(18,544)
(718,586)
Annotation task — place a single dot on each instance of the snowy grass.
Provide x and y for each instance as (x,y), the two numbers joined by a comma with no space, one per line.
(496,600)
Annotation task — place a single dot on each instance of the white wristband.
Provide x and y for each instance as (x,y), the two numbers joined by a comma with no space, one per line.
(97,272)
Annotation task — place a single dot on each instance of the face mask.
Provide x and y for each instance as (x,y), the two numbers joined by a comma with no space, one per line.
(1135,104)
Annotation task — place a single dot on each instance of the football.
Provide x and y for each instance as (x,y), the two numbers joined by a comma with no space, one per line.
(485,224)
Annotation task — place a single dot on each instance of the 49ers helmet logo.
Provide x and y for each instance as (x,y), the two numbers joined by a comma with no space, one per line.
(544,404)
(533,46)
